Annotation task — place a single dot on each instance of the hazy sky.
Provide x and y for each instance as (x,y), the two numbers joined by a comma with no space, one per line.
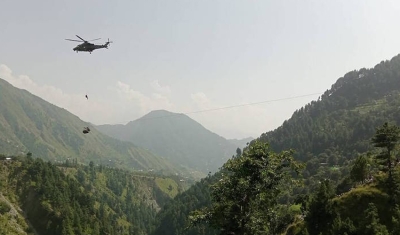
(191,55)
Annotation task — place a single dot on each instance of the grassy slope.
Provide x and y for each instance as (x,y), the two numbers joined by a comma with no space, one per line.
(28,123)
(168,186)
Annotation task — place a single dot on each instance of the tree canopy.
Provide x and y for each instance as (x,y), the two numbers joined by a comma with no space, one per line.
(245,199)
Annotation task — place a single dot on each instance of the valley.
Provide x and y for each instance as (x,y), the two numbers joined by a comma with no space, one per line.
(144,177)
(178,138)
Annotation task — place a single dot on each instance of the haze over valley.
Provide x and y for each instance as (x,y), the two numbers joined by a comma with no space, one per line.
(200,118)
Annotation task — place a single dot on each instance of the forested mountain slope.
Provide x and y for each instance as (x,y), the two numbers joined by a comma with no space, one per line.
(326,135)
(76,199)
(30,124)
(176,137)
(345,116)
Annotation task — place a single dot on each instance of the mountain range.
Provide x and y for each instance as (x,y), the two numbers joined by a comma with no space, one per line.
(30,124)
(160,140)
(178,138)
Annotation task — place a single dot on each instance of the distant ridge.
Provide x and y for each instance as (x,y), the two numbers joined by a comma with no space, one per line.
(176,137)
(241,143)
(30,124)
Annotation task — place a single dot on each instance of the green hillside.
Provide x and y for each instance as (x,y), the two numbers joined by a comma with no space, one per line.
(75,199)
(345,116)
(326,135)
(30,124)
(176,137)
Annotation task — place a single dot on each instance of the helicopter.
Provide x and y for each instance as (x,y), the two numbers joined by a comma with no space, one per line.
(87,46)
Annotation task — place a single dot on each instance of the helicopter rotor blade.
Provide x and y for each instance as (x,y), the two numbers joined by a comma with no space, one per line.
(73,40)
(94,39)
(81,38)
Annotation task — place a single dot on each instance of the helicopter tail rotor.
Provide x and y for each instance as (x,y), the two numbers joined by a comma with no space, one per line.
(108,43)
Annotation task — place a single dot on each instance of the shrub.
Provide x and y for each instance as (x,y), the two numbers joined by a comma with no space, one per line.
(4,207)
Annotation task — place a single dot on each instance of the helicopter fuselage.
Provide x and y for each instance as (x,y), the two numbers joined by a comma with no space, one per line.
(89,47)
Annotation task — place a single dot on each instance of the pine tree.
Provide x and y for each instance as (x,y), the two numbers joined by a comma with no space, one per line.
(359,171)
(371,223)
(386,138)
(320,214)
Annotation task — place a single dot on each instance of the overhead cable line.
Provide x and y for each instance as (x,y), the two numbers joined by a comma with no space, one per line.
(233,106)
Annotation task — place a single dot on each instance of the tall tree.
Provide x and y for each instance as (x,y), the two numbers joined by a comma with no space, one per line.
(359,171)
(372,224)
(386,138)
(320,214)
(244,201)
